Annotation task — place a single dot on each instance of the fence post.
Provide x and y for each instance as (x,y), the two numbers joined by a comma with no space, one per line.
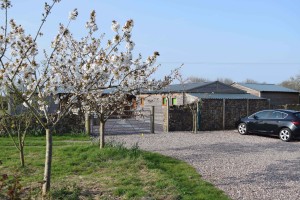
(224,116)
(247,107)
(196,117)
(168,109)
(152,119)
(166,116)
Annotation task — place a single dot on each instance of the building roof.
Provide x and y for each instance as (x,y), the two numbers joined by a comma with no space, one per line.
(201,87)
(266,87)
(224,96)
(180,87)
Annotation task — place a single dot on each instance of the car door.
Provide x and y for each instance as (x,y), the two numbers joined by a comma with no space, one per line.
(271,123)
(261,121)
(252,122)
(275,121)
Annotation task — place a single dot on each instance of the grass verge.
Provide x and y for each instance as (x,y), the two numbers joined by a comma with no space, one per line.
(81,170)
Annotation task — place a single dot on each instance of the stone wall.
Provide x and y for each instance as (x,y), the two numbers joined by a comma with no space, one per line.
(256,105)
(234,110)
(214,114)
(218,114)
(211,114)
(180,118)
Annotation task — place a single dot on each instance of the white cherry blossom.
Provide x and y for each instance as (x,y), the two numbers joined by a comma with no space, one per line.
(73,15)
(115,26)
(86,74)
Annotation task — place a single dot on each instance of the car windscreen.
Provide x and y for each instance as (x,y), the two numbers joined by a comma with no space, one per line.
(297,115)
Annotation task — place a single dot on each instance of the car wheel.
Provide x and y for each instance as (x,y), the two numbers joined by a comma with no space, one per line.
(242,128)
(285,134)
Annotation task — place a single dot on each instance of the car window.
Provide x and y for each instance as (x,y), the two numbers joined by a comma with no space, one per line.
(262,114)
(297,115)
(278,115)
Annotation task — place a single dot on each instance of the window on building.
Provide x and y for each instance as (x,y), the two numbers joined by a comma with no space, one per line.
(174,101)
(164,101)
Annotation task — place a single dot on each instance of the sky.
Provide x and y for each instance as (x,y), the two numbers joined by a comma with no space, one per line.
(236,39)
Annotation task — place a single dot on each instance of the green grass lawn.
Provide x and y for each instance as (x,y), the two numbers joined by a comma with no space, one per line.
(81,169)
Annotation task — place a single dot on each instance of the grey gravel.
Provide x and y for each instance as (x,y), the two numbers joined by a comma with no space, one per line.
(243,166)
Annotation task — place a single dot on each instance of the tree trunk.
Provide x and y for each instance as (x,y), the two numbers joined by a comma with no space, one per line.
(194,122)
(87,124)
(48,160)
(22,155)
(101,134)
(21,148)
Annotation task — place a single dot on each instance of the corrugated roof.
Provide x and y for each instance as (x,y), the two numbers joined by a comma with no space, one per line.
(266,87)
(224,96)
(183,87)
(178,87)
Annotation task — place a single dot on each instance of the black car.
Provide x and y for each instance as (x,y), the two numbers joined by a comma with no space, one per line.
(284,123)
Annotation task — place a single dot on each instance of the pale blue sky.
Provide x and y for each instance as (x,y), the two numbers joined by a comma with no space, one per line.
(237,39)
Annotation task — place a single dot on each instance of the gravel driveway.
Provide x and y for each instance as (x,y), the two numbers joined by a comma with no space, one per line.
(245,167)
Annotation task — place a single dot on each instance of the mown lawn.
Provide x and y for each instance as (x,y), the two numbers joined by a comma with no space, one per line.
(81,170)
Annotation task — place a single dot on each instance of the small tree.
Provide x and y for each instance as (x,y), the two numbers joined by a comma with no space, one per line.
(71,71)
(193,106)
(116,73)
(26,79)
(21,74)
(15,121)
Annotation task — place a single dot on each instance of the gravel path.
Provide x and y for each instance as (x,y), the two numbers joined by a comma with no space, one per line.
(245,167)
